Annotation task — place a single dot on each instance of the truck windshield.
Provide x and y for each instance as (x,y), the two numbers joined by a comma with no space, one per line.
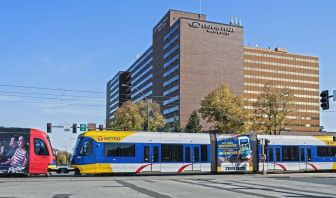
(53,151)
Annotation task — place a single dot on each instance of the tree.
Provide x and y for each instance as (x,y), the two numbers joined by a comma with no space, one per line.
(194,123)
(62,157)
(272,108)
(173,127)
(128,116)
(225,110)
(134,116)
(156,120)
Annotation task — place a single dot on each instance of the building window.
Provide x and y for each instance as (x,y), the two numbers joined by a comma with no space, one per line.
(175,38)
(170,61)
(173,119)
(170,100)
(141,82)
(140,60)
(173,79)
(175,68)
(170,110)
(146,64)
(141,75)
(172,50)
(171,90)
(172,31)
(141,90)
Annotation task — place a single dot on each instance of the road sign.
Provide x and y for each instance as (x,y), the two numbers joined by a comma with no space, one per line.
(91,126)
(82,127)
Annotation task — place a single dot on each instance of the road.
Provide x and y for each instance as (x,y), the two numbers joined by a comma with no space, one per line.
(277,185)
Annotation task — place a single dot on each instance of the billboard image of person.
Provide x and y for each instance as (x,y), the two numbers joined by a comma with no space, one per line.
(14,152)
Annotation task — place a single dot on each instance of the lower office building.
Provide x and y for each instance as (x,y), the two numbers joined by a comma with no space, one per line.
(190,57)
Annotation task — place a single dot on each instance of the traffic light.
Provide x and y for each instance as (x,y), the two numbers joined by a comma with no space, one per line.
(74,128)
(49,127)
(324,99)
(101,127)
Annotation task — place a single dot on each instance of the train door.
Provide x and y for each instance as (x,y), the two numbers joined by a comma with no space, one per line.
(270,153)
(151,155)
(302,158)
(196,160)
(276,159)
(308,158)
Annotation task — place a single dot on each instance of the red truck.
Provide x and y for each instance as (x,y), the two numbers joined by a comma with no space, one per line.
(25,151)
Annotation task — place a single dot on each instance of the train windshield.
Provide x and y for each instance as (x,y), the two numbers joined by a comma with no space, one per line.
(75,148)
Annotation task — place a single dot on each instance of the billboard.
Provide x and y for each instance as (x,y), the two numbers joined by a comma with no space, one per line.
(234,153)
(14,152)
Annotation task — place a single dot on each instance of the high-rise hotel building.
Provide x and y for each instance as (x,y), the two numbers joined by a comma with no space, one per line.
(190,57)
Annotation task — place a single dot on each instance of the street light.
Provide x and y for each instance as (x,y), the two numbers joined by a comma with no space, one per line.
(145,97)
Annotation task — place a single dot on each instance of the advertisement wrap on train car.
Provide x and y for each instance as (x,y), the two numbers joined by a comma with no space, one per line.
(14,152)
(234,153)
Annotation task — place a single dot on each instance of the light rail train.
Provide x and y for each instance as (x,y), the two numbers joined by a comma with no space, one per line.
(99,152)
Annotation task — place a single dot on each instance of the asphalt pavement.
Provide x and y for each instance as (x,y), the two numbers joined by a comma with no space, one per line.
(166,186)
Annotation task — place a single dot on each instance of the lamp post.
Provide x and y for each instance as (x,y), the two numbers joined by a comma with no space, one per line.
(145,97)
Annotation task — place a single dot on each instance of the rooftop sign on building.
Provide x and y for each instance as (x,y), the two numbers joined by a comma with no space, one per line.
(215,29)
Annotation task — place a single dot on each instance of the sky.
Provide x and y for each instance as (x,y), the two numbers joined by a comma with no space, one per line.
(57,56)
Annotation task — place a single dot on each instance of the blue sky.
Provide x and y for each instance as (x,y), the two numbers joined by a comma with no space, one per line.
(81,44)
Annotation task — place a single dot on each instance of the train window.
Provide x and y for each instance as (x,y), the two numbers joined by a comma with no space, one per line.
(187,153)
(277,154)
(290,153)
(86,148)
(40,147)
(204,153)
(196,154)
(146,153)
(326,151)
(119,150)
(270,155)
(156,154)
(172,152)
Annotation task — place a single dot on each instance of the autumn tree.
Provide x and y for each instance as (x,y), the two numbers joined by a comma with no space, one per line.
(62,157)
(128,116)
(134,116)
(173,127)
(225,110)
(194,123)
(156,119)
(272,108)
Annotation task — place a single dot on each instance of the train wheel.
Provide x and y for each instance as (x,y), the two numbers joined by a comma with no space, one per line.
(77,172)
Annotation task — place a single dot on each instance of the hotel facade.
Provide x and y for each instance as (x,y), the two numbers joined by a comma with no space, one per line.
(190,57)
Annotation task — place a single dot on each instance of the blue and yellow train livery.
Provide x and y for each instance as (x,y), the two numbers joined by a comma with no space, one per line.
(99,152)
